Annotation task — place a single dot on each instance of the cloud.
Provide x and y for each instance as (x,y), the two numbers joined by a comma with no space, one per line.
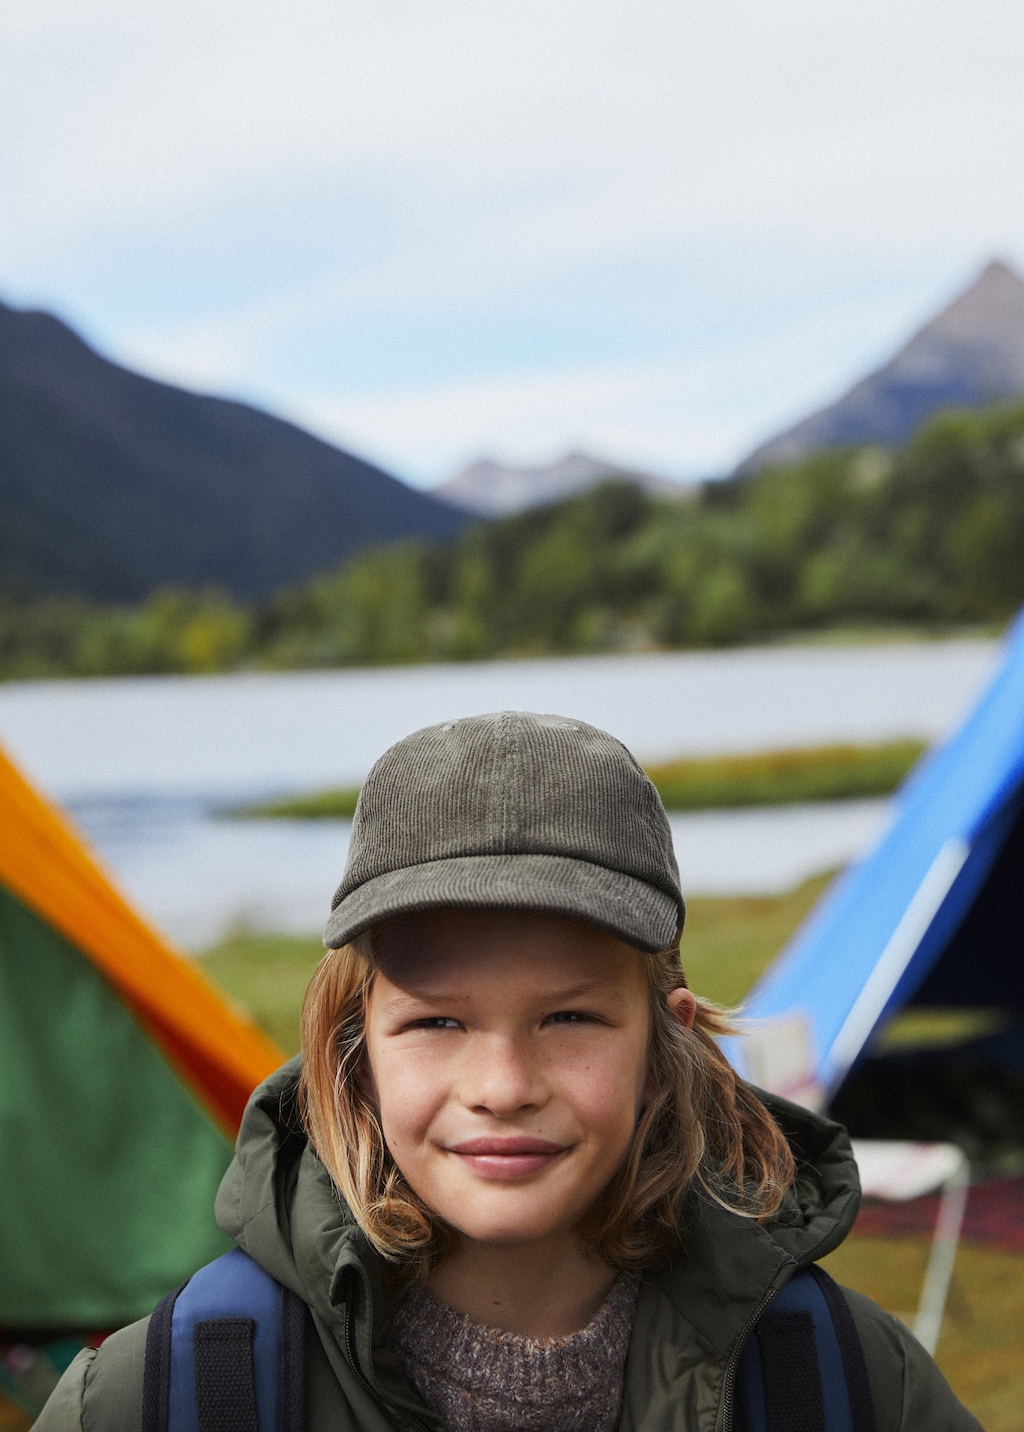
(719,112)
(384,210)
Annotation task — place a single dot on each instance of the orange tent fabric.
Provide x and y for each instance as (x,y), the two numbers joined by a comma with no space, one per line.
(219,1053)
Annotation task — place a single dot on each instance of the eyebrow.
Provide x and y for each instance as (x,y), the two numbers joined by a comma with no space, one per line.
(429,996)
(577,991)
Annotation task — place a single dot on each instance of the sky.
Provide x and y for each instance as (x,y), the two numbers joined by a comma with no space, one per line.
(436,230)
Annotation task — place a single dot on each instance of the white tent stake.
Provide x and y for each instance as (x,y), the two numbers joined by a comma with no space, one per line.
(939,1272)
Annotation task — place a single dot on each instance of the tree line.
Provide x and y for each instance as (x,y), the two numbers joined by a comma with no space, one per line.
(930,535)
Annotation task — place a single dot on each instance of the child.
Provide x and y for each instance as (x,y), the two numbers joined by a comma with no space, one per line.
(513,1181)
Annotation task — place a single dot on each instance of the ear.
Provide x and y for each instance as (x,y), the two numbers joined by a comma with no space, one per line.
(682,1003)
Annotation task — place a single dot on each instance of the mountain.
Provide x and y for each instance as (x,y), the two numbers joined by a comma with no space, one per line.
(112,484)
(970,355)
(495,489)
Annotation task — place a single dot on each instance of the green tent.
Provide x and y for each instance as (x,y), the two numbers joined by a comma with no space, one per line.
(123,1076)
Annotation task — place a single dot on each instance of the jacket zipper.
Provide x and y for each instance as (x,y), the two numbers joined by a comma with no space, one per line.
(723,1422)
(364,1382)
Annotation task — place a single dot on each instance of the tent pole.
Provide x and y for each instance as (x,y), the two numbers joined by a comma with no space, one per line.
(939,1271)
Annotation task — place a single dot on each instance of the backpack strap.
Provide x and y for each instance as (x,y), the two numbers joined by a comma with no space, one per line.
(156,1379)
(803,1368)
(851,1350)
(226,1353)
(293,1362)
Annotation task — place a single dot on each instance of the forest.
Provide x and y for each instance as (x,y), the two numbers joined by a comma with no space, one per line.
(930,536)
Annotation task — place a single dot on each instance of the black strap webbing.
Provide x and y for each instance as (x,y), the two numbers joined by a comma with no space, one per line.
(792,1382)
(862,1407)
(293,1363)
(156,1377)
(225,1388)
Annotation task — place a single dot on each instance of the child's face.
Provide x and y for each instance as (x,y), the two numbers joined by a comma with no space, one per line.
(508,1057)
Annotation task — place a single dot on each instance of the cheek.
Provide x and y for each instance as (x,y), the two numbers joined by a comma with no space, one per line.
(408,1095)
(607,1092)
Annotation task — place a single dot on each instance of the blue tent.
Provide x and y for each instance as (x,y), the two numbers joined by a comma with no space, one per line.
(932,920)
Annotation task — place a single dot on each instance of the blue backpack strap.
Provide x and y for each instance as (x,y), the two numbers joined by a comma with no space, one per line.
(803,1367)
(225,1353)
(851,1350)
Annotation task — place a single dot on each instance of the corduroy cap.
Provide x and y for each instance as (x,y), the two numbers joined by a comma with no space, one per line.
(511,811)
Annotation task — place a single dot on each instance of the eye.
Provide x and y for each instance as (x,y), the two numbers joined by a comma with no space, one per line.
(570,1016)
(434,1021)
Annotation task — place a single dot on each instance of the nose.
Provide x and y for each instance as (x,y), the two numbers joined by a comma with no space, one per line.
(500,1077)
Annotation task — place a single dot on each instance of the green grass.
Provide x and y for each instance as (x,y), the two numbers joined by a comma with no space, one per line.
(337,804)
(267,976)
(814,773)
(939,1028)
(729,941)
(727,944)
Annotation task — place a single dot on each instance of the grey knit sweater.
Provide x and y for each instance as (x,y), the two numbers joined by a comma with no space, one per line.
(480,1379)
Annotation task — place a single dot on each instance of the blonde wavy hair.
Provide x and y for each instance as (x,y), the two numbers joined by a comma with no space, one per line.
(703,1127)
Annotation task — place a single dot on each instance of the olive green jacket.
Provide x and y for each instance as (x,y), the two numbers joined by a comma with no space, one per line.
(278,1203)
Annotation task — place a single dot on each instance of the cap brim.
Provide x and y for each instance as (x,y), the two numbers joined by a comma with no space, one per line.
(638,913)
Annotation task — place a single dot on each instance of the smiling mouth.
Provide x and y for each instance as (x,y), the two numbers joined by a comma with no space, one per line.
(509,1158)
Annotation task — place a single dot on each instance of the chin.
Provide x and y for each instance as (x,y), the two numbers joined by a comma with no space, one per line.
(511,1228)
(506,1234)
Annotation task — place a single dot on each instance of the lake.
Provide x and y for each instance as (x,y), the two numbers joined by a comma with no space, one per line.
(143,764)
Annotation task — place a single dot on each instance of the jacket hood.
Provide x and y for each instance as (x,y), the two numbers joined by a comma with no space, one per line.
(730,1265)
(278,1203)
(277,1200)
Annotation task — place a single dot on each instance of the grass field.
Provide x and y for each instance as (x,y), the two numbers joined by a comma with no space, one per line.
(814,773)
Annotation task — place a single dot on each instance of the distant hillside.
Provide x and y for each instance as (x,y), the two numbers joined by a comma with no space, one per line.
(112,485)
(495,489)
(970,355)
(927,536)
